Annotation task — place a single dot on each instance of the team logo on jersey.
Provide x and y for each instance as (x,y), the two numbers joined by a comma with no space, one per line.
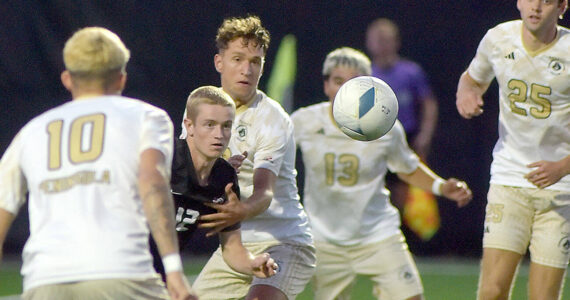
(241,132)
(556,67)
(564,244)
(321,131)
(510,56)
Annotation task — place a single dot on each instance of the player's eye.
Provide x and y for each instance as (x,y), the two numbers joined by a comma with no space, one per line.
(227,125)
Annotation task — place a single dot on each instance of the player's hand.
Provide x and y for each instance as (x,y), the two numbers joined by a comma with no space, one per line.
(229,213)
(237,160)
(263,266)
(469,104)
(547,172)
(457,191)
(178,287)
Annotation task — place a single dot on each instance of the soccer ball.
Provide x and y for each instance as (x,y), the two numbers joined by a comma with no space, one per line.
(365,108)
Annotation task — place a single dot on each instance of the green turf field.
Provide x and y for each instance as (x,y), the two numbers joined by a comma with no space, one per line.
(443,279)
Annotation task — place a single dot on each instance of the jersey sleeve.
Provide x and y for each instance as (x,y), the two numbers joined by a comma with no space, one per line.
(13,185)
(481,69)
(157,133)
(273,141)
(401,158)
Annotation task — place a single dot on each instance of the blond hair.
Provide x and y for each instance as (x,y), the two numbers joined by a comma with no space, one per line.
(207,95)
(95,53)
(248,28)
(348,57)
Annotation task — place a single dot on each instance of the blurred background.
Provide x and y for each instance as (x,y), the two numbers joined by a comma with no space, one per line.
(172,48)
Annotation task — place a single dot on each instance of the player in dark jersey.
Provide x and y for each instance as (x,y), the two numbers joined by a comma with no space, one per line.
(201,176)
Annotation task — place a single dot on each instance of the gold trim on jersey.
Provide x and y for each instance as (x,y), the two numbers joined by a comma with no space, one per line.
(543,49)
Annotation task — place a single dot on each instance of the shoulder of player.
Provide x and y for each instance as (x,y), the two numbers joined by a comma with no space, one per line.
(564,34)
(397,129)
(267,103)
(506,29)
(307,111)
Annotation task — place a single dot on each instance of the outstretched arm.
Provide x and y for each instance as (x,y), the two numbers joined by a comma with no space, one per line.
(453,189)
(548,173)
(158,206)
(234,211)
(470,96)
(241,260)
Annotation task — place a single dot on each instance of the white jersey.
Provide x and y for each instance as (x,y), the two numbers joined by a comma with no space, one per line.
(344,194)
(79,163)
(264,130)
(534,101)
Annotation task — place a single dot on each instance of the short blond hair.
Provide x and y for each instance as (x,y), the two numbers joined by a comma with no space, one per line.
(207,95)
(95,53)
(349,57)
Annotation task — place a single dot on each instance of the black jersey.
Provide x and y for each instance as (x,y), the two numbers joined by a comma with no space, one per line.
(189,196)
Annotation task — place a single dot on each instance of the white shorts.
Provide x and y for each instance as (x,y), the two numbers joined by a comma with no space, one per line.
(152,288)
(520,218)
(296,267)
(388,263)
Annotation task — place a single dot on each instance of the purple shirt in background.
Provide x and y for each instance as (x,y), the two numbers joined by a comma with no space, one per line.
(409,83)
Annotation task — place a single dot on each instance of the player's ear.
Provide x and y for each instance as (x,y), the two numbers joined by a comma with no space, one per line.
(218,64)
(66,80)
(123,81)
(189,128)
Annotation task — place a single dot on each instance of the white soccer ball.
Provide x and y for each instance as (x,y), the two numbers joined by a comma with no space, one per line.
(365,108)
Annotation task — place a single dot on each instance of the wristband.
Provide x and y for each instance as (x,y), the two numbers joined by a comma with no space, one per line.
(172,263)
(436,186)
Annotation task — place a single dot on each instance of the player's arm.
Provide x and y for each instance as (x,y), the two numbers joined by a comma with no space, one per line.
(548,173)
(453,189)
(158,206)
(469,95)
(234,211)
(6,219)
(241,260)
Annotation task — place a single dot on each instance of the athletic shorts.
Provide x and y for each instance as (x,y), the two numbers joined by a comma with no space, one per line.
(152,288)
(388,263)
(296,267)
(520,218)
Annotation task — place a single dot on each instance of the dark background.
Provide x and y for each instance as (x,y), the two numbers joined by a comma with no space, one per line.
(172,47)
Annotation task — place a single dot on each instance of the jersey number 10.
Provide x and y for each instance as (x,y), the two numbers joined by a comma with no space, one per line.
(89,126)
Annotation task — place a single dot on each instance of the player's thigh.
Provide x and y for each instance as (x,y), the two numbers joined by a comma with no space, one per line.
(296,267)
(508,219)
(151,288)
(390,265)
(218,281)
(334,275)
(550,244)
(498,268)
(545,282)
